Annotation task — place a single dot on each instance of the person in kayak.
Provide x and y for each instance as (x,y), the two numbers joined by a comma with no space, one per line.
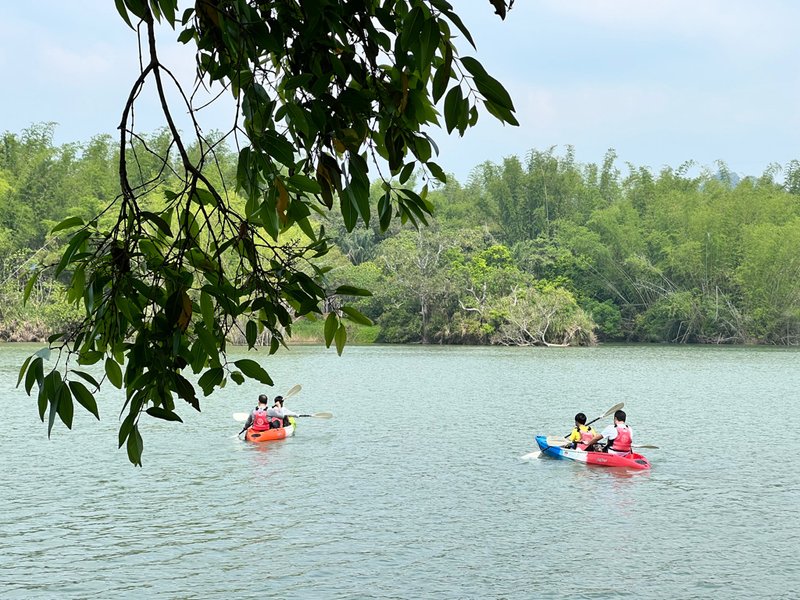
(582,433)
(619,436)
(279,416)
(259,419)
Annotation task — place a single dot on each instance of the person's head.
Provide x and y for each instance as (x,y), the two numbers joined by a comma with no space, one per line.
(262,400)
(580,419)
(279,401)
(619,416)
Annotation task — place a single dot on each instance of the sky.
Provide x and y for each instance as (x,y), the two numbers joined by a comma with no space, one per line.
(661,82)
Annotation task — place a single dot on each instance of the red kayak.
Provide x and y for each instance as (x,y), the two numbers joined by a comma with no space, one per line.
(602,459)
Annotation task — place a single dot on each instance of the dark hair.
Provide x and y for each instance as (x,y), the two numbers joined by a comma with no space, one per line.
(580,418)
(262,399)
(620,415)
(279,399)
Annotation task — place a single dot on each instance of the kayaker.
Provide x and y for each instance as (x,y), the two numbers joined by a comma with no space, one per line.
(259,419)
(619,436)
(582,433)
(279,416)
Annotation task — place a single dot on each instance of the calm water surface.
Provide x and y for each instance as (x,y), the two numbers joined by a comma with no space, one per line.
(416,487)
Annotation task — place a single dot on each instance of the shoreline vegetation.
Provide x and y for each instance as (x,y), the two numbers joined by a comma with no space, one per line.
(535,250)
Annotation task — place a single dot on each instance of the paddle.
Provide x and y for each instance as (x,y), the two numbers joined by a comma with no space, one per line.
(242,417)
(610,411)
(557,441)
(294,390)
(319,415)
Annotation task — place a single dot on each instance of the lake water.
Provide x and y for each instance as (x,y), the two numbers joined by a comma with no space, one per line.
(415,489)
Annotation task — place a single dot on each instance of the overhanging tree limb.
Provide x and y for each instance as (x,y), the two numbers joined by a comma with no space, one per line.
(322,93)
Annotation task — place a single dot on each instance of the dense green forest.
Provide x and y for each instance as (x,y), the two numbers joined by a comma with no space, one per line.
(538,249)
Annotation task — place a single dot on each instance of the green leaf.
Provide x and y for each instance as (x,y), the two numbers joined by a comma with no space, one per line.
(164,414)
(67,223)
(23,368)
(500,113)
(208,341)
(203,197)
(135,447)
(253,370)
(251,333)
(341,338)
(436,171)
(385,210)
(331,324)
(84,397)
(168,8)
(443,74)
(452,108)
(349,209)
(158,221)
(86,377)
(35,373)
(89,357)
(186,35)
(29,286)
(349,290)
(42,401)
(114,373)
(412,26)
(51,417)
(429,41)
(238,377)
(422,149)
(207,309)
(123,13)
(304,184)
(278,148)
(487,85)
(356,316)
(210,379)
(72,248)
(456,20)
(65,407)
(408,169)
(185,390)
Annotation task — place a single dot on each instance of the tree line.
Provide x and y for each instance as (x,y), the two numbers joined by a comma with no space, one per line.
(534,250)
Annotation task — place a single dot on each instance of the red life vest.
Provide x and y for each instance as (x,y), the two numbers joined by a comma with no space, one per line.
(275,422)
(586,437)
(622,443)
(260,420)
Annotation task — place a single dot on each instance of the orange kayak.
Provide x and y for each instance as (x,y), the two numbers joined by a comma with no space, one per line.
(270,434)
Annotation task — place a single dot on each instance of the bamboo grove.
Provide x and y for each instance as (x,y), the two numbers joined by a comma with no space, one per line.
(533,250)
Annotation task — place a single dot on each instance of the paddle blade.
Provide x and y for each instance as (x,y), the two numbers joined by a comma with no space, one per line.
(553,440)
(610,411)
(294,390)
(530,455)
(613,409)
(319,415)
(241,417)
